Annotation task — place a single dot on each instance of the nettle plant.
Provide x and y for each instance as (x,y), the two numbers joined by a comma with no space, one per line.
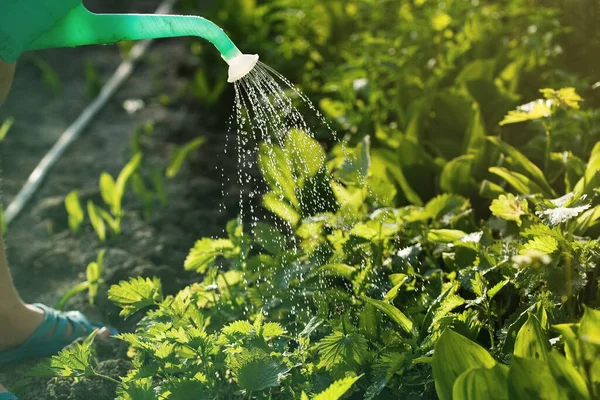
(351,293)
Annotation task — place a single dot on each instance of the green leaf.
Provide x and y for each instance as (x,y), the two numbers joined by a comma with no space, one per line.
(510,208)
(80,287)
(565,97)
(396,172)
(139,389)
(531,340)
(591,177)
(205,253)
(305,153)
(482,383)
(269,238)
(93,274)
(446,205)
(271,330)
(521,183)
(519,161)
(5,127)
(238,328)
(337,389)
(135,294)
(543,244)
(341,270)
(453,355)
(180,154)
(278,206)
(589,327)
(259,373)
(350,349)
(277,170)
(108,189)
(97,221)
(529,378)
(392,312)
(74,210)
(122,179)
(527,112)
(73,361)
(445,235)
(567,376)
(356,163)
(457,177)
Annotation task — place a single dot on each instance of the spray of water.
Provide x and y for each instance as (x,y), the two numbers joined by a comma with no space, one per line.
(265,112)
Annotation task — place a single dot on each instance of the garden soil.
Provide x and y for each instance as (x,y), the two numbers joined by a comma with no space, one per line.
(46,258)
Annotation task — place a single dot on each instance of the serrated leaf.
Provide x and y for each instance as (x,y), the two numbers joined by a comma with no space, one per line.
(482,383)
(453,355)
(135,294)
(565,97)
(350,349)
(534,110)
(337,389)
(256,374)
(392,312)
(272,329)
(543,244)
(531,340)
(555,216)
(509,207)
(205,253)
(238,327)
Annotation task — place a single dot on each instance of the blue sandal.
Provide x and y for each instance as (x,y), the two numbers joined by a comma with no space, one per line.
(7,396)
(39,344)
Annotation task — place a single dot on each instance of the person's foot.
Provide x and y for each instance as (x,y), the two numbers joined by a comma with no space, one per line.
(18,325)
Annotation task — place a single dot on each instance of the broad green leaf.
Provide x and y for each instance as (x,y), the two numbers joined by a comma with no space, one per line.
(97,221)
(510,208)
(205,253)
(591,178)
(392,312)
(524,165)
(74,210)
(350,349)
(270,238)
(180,154)
(280,207)
(456,176)
(244,328)
(108,189)
(135,294)
(567,376)
(534,110)
(446,205)
(305,153)
(277,170)
(565,97)
(532,341)
(490,190)
(395,170)
(341,270)
(454,354)
(589,327)
(337,389)
(482,383)
(529,378)
(519,182)
(357,163)
(445,235)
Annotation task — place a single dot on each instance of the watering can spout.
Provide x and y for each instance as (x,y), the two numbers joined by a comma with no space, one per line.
(74,25)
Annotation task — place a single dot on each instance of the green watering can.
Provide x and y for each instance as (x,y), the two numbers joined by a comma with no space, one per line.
(44,24)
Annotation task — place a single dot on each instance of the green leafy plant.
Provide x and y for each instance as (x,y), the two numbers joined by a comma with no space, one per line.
(94,279)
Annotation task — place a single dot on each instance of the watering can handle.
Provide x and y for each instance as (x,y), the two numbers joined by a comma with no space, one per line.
(82,27)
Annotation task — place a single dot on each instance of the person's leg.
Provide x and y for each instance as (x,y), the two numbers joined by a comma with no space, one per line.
(17,319)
